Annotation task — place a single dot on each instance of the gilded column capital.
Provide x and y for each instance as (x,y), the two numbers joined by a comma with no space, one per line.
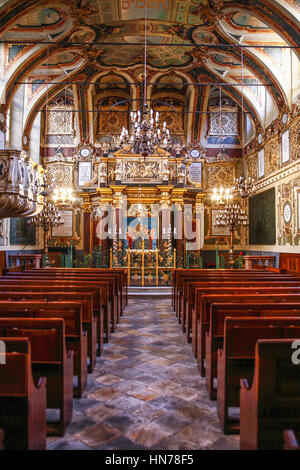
(117,197)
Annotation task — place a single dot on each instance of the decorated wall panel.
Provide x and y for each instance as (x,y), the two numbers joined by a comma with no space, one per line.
(220,174)
(60,118)
(21,233)
(262,219)
(171,111)
(112,116)
(289,212)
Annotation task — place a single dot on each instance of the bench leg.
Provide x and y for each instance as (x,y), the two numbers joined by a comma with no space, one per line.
(107,322)
(67,405)
(80,349)
(92,344)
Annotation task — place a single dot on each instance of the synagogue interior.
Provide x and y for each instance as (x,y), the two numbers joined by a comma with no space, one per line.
(149,225)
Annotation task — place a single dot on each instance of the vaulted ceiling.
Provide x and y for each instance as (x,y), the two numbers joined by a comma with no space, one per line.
(47,45)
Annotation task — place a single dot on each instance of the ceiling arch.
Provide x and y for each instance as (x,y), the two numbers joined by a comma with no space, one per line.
(82,40)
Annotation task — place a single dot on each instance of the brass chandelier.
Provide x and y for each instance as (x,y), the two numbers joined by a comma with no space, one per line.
(48,218)
(146,136)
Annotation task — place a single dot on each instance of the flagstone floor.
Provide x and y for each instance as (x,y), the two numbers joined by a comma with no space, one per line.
(145,392)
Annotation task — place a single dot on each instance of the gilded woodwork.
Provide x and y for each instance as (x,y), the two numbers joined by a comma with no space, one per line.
(220,174)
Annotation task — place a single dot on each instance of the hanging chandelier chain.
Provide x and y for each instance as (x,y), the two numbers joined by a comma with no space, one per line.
(146,137)
(145,59)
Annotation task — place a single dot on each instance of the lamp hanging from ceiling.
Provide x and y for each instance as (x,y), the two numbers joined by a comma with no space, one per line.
(146,136)
(48,218)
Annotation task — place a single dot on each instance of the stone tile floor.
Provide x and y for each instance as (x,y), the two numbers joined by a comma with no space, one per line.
(145,392)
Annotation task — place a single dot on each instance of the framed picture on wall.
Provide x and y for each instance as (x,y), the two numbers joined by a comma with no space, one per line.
(261,163)
(285,147)
(21,233)
(218,230)
(66,229)
(84,172)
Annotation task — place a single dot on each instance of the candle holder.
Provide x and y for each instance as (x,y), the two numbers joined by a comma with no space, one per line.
(48,218)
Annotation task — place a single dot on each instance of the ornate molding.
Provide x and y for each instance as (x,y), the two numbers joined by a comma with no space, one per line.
(294,168)
(21,182)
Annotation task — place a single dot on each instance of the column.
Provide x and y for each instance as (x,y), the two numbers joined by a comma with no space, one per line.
(119,235)
(87,209)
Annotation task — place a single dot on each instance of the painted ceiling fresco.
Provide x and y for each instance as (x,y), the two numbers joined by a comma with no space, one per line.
(88,37)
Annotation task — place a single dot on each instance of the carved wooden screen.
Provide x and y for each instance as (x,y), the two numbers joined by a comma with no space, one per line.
(172,112)
(112,116)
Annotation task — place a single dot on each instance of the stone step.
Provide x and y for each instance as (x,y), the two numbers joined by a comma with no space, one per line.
(154,291)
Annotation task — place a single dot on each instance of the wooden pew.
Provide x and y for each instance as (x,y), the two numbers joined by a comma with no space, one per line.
(190,286)
(215,336)
(252,280)
(290,440)
(238,296)
(189,283)
(7,283)
(208,274)
(49,359)
(178,275)
(22,402)
(216,287)
(272,403)
(119,273)
(236,359)
(76,337)
(61,289)
(89,322)
(206,295)
(107,281)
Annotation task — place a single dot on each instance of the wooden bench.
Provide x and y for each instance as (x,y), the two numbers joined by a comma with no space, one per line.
(237,297)
(272,403)
(22,402)
(6,283)
(108,281)
(236,359)
(89,322)
(50,359)
(181,276)
(119,273)
(215,336)
(76,337)
(61,289)
(216,288)
(189,282)
(206,295)
(248,279)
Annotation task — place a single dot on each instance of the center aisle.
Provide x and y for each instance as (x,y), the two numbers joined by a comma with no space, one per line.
(145,392)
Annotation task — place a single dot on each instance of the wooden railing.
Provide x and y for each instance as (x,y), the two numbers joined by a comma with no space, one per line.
(290,262)
(257,261)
